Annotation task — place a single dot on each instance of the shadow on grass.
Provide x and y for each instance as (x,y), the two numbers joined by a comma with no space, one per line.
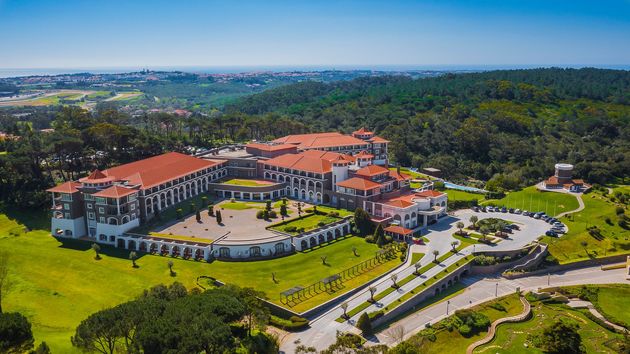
(33,219)
(107,250)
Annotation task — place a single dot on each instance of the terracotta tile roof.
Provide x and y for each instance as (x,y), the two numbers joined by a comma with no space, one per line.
(115,192)
(400,203)
(362,131)
(364,154)
(399,176)
(359,184)
(398,230)
(378,139)
(578,181)
(320,140)
(270,147)
(430,194)
(552,180)
(328,155)
(67,187)
(371,170)
(302,162)
(96,177)
(159,169)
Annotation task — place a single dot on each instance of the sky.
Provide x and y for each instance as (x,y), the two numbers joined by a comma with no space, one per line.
(156,33)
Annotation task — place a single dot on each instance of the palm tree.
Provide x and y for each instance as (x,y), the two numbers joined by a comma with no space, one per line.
(394,278)
(372,290)
(417,266)
(435,254)
(460,226)
(96,249)
(170,266)
(344,307)
(354,251)
(473,220)
(484,231)
(133,257)
(454,246)
(500,225)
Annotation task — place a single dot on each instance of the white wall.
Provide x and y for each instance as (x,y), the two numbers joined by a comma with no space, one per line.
(77,226)
(116,230)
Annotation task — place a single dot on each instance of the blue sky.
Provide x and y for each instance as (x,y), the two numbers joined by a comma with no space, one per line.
(95,33)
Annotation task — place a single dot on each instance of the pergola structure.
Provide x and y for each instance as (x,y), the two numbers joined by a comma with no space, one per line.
(290,294)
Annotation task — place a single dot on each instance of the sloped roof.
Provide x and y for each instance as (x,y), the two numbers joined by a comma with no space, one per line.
(270,147)
(378,139)
(96,177)
(362,131)
(398,230)
(371,170)
(430,194)
(364,154)
(115,192)
(358,183)
(320,140)
(328,155)
(159,169)
(302,162)
(399,176)
(67,187)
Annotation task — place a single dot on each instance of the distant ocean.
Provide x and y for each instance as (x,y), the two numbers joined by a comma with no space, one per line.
(8,72)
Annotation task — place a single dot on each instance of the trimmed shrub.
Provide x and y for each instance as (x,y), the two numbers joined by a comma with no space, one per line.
(290,229)
(273,214)
(259,214)
(465,330)
(369,239)
(365,324)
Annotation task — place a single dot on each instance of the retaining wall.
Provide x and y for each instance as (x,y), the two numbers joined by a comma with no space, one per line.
(562,267)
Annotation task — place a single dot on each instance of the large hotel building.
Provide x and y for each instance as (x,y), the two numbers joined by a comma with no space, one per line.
(345,171)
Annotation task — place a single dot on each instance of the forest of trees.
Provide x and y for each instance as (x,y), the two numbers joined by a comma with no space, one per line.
(509,127)
(505,127)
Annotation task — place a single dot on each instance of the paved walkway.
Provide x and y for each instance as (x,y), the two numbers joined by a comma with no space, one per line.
(527,309)
(481,289)
(578,196)
(322,331)
(587,304)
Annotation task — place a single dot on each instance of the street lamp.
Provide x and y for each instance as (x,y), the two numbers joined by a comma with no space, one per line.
(448,302)
(496,290)
(548,278)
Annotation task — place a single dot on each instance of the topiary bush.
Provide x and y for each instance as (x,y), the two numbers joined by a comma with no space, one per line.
(290,229)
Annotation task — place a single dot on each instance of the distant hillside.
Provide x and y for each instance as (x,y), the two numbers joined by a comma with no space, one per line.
(509,125)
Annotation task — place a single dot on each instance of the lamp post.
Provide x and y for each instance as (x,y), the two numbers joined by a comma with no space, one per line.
(448,302)
(496,290)
(548,278)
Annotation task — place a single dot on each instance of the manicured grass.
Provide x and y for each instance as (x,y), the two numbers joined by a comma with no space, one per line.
(532,199)
(245,182)
(427,283)
(454,194)
(415,257)
(614,301)
(327,209)
(465,241)
(511,338)
(413,174)
(453,342)
(308,222)
(58,283)
(568,248)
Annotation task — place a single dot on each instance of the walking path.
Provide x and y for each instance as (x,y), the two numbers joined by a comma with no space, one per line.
(481,289)
(527,309)
(321,333)
(578,196)
(587,304)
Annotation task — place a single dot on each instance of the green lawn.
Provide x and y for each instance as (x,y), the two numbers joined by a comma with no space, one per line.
(57,284)
(612,300)
(235,205)
(327,209)
(454,194)
(511,338)
(245,182)
(532,199)
(614,240)
(453,342)
(308,222)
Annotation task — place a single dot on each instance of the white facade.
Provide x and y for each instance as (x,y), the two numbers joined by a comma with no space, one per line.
(71,228)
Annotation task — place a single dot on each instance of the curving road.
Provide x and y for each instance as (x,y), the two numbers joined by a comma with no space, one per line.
(322,332)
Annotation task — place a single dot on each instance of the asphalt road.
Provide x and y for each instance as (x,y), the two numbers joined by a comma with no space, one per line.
(324,328)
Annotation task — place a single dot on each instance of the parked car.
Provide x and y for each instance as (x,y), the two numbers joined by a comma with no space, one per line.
(518,211)
(514,227)
(559,231)
(507,229)
(504,210)
(536,216)
(475,209)
(511,210)
(551,233)
(558,223)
